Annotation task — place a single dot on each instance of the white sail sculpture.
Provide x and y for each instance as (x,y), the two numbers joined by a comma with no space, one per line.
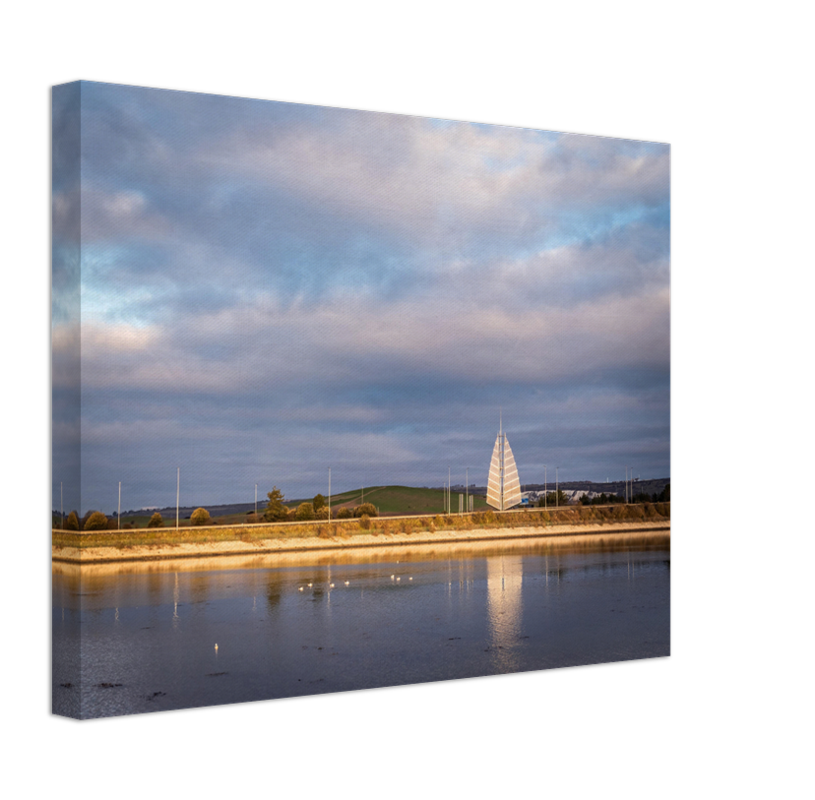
(503,484)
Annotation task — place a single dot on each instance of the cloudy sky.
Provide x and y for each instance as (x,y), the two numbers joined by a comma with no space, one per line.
(258,291)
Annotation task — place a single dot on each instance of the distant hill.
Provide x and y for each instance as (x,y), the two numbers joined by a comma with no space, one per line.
(394,499)
(650,486)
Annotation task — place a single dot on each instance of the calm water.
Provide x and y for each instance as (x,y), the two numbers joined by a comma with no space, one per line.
(148,637)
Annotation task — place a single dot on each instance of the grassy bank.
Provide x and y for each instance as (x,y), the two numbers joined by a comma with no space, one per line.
(348,529)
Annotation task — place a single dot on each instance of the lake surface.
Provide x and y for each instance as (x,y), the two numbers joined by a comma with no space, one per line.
(142,638)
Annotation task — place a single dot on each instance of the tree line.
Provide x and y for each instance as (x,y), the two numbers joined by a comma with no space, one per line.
(276,511)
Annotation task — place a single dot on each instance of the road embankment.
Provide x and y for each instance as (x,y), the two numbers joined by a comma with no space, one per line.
(74,550)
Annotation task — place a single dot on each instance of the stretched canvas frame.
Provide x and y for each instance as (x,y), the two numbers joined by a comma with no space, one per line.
(67,258)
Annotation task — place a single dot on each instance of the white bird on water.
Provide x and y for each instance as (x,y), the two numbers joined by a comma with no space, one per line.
(347,582)
(301,588)
(392,577)
(331,586)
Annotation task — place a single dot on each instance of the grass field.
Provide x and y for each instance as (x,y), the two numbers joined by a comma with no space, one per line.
(402,500)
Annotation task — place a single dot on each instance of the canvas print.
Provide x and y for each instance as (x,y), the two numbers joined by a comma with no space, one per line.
(347,400)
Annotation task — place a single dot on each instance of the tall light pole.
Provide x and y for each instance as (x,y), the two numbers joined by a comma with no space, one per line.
(467,490)
(119,509)
(557,490)
(61,511)
(544,488)
(177,495)
(256,499)
(329,495)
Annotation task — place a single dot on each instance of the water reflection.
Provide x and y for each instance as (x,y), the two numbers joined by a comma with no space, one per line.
(504,608)
(148,635)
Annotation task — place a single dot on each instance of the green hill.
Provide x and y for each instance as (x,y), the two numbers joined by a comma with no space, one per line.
(395,500)
(403,500)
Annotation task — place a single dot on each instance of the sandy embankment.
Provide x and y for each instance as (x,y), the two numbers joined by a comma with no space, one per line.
(557,533)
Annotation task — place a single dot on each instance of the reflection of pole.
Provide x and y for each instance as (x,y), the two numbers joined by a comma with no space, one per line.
(177,493)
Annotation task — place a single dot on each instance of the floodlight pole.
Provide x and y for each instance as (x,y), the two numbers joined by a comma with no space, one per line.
(61,511)
(177,494)
(557,490)
(544,488)
(256,499)
(467,490)
(329,495)
(119,510)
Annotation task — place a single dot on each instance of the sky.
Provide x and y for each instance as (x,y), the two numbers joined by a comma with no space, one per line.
(255,292)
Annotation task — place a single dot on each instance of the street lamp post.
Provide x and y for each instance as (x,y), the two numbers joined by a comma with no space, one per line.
(545,501)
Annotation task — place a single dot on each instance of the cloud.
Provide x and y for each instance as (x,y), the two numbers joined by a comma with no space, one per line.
(446,184)
(397,169)
(267,289)
(237,350)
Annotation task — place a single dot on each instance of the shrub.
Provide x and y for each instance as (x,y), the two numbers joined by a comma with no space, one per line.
(321,513)
(318,502)
(365,522)
(344,513)
(291,514)
(72,523)
(156,521)
(127,526)
(368,509)
(96,521)
(199,517)
(113,524)
(305,512)
(252,518)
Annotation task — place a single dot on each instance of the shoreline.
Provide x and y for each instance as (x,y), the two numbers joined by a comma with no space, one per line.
(587,534)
